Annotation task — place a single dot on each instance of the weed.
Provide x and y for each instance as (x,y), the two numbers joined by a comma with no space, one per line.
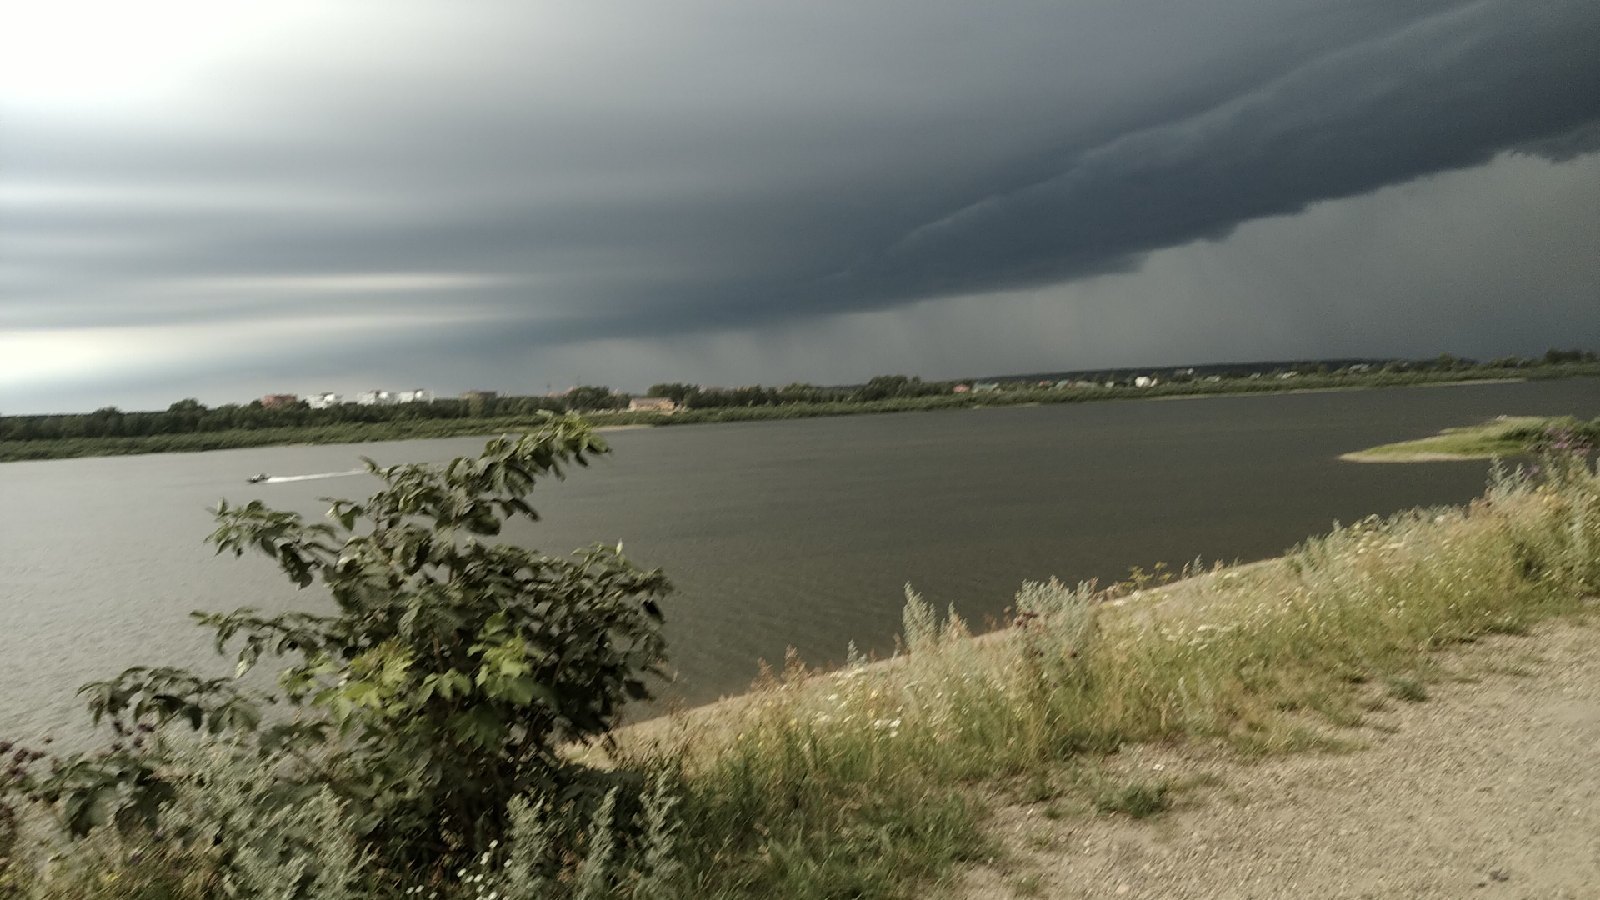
(1037,787)
(1139,799)
(1041,839)
(1408,689)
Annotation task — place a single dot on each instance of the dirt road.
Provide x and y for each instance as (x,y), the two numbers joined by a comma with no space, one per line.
(1489,789)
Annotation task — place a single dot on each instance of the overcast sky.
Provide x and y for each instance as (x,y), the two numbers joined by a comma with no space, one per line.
(220,200)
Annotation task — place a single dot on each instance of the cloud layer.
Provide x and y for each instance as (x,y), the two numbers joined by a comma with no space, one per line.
(500,194)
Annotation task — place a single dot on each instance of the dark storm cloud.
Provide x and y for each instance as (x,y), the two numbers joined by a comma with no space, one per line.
(1444,93)
(608,171)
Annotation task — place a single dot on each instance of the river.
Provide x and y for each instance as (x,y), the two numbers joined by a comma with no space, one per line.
(790,533)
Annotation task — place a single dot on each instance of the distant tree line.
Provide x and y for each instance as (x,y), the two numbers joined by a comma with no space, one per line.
(882,387)
(189,416)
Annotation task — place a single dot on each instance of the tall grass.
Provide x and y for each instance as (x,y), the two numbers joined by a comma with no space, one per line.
(842,775)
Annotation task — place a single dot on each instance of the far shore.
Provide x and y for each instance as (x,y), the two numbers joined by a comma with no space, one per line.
(1347,388)
(17,450)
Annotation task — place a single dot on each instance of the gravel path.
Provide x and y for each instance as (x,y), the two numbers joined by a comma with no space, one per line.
(1489,789)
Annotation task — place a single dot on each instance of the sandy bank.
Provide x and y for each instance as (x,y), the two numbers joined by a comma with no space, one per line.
(1364,456)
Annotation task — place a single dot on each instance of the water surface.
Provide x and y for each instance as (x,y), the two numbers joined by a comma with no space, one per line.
(795,533)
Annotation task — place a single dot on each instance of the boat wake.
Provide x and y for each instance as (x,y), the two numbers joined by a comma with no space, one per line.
(285,479)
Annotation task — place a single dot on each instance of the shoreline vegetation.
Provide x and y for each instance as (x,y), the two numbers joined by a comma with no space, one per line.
(188,427)
(884,778)
(1504,437)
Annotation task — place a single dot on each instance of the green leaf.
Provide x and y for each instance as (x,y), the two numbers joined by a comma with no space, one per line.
(451,670)
(518,690)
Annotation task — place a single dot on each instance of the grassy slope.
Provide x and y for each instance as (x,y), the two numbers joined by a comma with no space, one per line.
(1502,437)
(867,781)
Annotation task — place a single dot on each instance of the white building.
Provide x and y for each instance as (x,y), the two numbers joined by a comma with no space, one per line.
(388,398)
(652,404)
(1144,381)
(324,400)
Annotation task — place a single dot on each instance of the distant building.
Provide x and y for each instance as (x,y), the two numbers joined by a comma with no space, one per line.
(279,401)
(322,400)
(417,396)
(479,395)
(984,387)
(652,404)
(375,398)
(1145,381)
(961,389)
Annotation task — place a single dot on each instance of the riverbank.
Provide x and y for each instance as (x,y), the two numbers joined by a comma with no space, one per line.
(938,751)
(14,449)
(901,777)
(1501,438)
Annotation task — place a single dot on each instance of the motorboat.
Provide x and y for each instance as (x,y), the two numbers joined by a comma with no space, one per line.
(258,478)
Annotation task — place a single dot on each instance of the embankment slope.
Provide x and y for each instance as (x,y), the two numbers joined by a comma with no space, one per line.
(1490,788)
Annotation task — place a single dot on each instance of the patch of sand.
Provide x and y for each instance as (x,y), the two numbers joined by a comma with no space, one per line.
(1366,456)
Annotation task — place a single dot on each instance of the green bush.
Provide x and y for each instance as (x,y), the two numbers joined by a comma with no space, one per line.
(444,684)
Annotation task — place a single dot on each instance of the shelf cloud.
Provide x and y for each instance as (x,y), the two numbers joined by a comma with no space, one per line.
(503,194)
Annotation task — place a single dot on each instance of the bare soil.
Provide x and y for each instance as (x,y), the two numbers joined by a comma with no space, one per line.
(1490,788)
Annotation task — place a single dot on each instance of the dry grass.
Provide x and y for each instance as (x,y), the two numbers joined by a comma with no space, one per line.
(1269,658)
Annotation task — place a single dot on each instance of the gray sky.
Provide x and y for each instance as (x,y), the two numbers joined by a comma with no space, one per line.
(225,199)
